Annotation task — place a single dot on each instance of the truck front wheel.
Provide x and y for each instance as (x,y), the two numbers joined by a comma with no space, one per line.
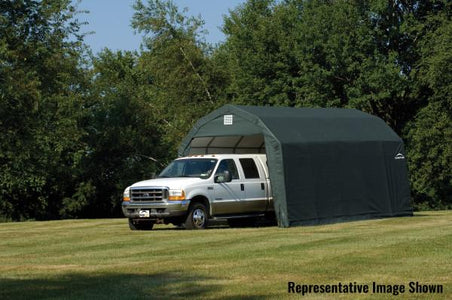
(197,217)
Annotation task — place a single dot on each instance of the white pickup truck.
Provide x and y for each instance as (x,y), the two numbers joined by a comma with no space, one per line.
(194,189)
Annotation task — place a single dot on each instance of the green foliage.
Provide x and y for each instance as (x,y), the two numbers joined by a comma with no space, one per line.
(123,136)
(41,85)
(324,54)
(185,84)
(430,133)
(259,54)
(72,206)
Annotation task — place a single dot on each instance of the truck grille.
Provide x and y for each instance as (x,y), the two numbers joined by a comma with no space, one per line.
(148,194)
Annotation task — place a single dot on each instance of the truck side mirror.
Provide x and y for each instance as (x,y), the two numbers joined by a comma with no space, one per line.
(223,177)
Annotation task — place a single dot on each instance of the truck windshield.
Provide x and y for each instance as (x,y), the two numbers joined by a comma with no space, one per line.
(193,167)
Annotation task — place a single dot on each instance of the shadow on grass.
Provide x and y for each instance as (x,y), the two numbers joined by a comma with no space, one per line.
(423,214)
(110,286)
(221,225)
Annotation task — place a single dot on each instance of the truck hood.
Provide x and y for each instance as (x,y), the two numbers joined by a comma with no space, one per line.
(173,183)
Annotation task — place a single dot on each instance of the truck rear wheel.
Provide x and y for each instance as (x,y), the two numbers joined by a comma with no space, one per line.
(197,217)
(140,225)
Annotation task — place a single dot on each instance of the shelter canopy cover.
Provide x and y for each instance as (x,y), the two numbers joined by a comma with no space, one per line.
(326,164)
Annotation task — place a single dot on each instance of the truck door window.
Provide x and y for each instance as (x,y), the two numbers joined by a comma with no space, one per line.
(228,165)
(249,168)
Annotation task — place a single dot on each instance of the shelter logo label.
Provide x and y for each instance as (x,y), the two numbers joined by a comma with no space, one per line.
(399,156)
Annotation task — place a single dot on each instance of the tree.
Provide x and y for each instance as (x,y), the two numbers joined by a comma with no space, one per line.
(41,88)
(123,137)
(429,134)
(185,82)
(323,54)
(259,53)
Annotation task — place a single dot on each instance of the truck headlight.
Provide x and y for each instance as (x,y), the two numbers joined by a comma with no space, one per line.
(176,195)
(126,195)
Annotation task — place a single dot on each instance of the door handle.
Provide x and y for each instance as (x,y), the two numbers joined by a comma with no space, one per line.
(242,186)
(262,186)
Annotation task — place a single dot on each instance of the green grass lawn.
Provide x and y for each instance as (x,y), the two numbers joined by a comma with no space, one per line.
(103,259)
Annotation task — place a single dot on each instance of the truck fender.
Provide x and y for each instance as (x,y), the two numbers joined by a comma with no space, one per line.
(199,195)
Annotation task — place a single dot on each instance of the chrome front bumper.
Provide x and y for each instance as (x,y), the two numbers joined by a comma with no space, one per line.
(157,210)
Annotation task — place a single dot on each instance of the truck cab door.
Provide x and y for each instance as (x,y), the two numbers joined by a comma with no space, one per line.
(227,195)
(254,185)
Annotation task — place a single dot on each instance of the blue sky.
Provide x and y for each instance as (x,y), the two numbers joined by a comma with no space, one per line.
(110,21)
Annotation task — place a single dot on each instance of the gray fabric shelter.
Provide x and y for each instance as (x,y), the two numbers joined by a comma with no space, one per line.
(326,165)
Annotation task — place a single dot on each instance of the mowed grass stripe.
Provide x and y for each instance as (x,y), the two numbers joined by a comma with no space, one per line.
(103,259)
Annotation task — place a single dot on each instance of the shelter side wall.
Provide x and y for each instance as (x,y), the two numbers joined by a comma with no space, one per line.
(397,170)
(329,182)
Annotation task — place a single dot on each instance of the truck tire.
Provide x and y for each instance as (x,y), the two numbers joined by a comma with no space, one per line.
(140,225)
(197,217)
